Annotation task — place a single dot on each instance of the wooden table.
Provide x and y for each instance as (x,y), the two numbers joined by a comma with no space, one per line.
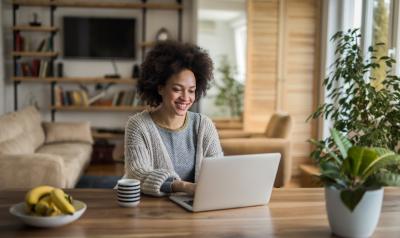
(297,212)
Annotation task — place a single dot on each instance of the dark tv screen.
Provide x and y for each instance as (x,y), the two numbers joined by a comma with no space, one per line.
(99,38)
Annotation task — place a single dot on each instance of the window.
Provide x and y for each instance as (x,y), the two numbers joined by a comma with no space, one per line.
(381,34)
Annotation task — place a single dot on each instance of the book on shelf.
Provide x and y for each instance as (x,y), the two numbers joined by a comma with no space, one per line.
(35,67)
(120,97)
(104,102)
(84,98)
(125,98)
(76,98)
(26,69)
(43,68)
(115,98)
(41,45)
(137,101)
(71,97)
(96,97)
(44,45)
(58,96)
(19,42)
(67,98)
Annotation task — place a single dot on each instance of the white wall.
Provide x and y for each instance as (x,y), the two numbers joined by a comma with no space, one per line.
(216,25)
(2,77)
(80,68)
(218,38)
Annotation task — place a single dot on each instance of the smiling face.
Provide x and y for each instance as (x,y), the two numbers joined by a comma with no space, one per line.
(179,93)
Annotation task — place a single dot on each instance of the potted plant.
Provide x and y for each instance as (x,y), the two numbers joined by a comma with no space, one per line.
(230,91)
(367,111)
(357,159)
(353,178)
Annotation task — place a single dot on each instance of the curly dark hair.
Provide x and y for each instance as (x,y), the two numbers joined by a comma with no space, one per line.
(168,58)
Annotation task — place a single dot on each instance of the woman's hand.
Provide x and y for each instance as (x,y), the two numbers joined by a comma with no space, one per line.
(182,186)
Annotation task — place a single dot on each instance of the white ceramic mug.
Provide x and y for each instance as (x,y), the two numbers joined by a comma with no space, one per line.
(128,192)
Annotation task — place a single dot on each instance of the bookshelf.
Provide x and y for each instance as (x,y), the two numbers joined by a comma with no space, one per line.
(50,54)
(100,108)
(34,54)
(34,28)
(80,80)
(98,4)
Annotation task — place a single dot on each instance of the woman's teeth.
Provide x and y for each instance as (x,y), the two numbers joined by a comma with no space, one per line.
(181,106)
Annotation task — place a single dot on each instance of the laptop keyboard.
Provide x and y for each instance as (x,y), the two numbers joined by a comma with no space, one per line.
(189,202)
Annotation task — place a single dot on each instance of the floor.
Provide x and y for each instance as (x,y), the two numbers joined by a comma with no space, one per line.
(109,169)
(117,169)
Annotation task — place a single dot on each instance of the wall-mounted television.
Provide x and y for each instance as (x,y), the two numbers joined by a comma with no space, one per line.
(99,38)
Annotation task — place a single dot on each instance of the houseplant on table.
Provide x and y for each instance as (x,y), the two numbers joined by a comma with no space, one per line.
(365,114)
(353,178)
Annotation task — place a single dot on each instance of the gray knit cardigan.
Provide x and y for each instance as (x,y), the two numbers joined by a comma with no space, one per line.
(147,159)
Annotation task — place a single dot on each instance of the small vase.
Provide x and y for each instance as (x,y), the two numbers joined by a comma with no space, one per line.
(359,223)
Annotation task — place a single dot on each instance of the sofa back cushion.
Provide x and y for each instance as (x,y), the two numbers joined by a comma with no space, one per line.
(21,132)
(61,132)
(279,126)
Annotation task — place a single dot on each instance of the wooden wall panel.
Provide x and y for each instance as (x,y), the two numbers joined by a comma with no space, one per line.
(262,41)
(282,68)
(301,66)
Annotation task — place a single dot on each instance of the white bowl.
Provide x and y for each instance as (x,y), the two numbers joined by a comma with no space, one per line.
(20,210)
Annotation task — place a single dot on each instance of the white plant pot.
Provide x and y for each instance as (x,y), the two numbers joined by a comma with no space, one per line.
(359,223)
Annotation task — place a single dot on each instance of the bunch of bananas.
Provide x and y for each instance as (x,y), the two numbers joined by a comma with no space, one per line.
(48,201)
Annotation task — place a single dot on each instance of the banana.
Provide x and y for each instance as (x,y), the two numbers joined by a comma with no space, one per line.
(43,206)
(58,197)
(34,195)
(53,211)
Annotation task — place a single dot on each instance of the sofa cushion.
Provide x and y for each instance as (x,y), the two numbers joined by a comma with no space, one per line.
(76,157)
(9,127)
(30,170)
(20,144)
(279,126)
(68,132)
(22,131)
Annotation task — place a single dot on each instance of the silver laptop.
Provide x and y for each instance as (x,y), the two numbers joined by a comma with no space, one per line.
(232,181)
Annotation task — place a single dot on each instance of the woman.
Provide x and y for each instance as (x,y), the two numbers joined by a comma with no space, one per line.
(164,147)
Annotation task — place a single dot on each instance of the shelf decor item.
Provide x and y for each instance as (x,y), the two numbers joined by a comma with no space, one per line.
(357,159)
(163,35)
(35,21)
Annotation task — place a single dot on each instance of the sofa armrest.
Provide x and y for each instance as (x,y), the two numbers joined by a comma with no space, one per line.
(67,132)
(227,134)
(242,146)
(30,170)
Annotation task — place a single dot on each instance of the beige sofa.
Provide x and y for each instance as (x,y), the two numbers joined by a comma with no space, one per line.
(34,153)
(275,139)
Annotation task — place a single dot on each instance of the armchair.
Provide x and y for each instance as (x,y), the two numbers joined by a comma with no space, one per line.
(276,139)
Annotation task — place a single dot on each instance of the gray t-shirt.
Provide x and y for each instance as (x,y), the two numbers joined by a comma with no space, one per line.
(181,148)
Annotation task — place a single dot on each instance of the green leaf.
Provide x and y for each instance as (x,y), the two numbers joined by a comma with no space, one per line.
(387,179)
(342,142)
(351,198)
(381,162)
(361,158)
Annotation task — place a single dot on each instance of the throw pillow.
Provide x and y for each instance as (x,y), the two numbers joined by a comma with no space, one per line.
(67,132)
